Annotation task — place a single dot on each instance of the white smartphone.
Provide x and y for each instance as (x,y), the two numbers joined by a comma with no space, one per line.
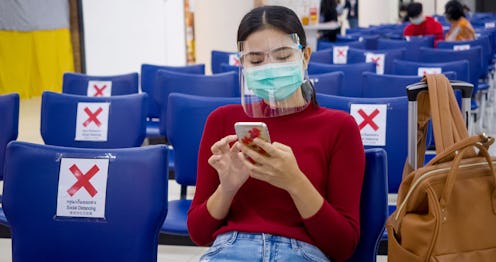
(247,131)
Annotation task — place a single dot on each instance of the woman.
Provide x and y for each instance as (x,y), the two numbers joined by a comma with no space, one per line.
(299,203)
(461,29)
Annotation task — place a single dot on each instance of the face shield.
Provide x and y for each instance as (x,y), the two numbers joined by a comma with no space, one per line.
(273,80)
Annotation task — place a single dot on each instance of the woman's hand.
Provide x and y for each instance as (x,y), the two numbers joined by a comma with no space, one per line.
(279,169)
(232,172)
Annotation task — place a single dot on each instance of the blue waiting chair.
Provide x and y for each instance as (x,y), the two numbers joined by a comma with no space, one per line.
(135,197)
(375,85)
(148,75)
(328,83)
(352,81)
(461,68)
(413,45)
(221,57)
(9,127)
(396,130)
(126,120)
(359,56)
(186,116)
(86,85)
(321,45)
(373,205)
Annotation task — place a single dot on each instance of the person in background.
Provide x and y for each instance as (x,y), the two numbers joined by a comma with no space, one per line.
(298,198)
(460,29)
(328,13)
(403,14)
(352,6)
(421,25)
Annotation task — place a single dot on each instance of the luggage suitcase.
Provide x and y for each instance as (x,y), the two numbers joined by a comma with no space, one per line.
(446,210)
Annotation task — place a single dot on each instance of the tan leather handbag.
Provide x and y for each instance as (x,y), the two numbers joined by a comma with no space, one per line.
(446,210)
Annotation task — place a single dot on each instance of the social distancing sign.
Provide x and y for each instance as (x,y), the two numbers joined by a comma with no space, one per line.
(461,47)
(82,187)
(371,120)
(379,61)
(99,88)
(92,122)
(422,71)
(234,60)
(340,54)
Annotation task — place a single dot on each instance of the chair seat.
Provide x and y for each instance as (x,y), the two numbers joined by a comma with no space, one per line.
(177,214)
(3,219)
(152,128)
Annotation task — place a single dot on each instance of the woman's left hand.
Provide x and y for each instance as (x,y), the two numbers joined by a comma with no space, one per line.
(279,169)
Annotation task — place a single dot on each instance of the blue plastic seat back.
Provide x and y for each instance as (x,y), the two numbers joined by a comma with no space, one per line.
(373,205)
(473,55)
(186,117)
(126,120)
(412,45)
(78,84)
(321,45)
(9,127)
(217,85)
(148,75)
(352,81)
(135,204)
(483,42)
(328,83)
(461,68)
(220,57)
(359,56)
(396,133)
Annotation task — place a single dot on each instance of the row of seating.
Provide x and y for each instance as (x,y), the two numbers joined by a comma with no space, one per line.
(131,172)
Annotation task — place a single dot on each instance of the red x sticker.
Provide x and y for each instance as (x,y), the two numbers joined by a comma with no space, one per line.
(83,180)
(368,119)
(92,116)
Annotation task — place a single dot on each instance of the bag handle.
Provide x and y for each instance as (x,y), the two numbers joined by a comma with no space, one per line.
(451,178)
(450,152)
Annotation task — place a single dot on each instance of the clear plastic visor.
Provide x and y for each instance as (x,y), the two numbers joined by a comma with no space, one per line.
(273,77)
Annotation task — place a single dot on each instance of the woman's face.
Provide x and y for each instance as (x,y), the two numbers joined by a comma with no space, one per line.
(271,46)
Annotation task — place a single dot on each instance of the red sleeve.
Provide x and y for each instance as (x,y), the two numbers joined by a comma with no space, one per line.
(335,228)
(436,29)
(201,225)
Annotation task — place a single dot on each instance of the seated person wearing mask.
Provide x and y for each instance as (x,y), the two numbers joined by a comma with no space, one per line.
(422,25)
(461,29)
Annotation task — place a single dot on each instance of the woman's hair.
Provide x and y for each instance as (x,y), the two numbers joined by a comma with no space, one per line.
(280,18)
(454,10)
(277,17)
(414,9)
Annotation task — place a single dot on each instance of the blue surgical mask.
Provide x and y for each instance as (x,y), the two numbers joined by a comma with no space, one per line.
(418,20)
(274,81)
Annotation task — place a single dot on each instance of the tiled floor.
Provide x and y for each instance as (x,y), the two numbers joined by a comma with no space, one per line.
(29,123)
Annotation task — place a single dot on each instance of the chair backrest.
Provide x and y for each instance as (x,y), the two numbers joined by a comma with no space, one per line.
(321,45)
(483,42)
(9,127)
(473,55)
(186,117)
(217,85)
(148,75)
(93,122)
(86,85)
(375,85)
(219,57)
(373,205)
(352,81)
(118,221)
(383,123)
(361,56)
(413,45)
(328,83)
(461,68)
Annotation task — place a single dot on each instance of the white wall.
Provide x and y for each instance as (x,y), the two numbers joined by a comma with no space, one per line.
(376,12)
(120,35)
(216,26)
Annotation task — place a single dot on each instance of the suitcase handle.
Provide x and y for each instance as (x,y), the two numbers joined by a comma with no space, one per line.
(413,90)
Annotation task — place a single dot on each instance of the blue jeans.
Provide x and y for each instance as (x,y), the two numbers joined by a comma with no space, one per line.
(237,246)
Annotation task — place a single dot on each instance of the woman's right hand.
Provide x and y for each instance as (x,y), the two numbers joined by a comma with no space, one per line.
(232,172)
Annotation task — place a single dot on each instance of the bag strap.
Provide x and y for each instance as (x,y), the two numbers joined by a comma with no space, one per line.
(447,120)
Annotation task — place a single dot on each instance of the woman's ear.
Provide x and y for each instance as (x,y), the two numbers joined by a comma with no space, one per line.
(307,51)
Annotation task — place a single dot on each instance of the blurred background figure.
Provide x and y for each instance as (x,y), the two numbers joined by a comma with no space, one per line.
(328,13)
(460,29)
(352,6)
(421,25)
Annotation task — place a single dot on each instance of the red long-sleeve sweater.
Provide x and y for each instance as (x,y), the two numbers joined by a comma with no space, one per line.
(329,151)
(428,27)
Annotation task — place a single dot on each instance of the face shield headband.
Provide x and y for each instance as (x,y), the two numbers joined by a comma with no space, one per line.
(273,78)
